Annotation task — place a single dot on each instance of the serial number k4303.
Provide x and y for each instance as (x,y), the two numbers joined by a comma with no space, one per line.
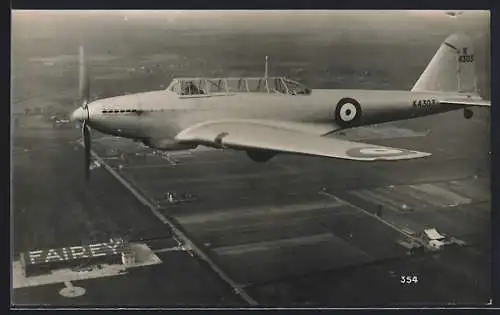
(466,58)
(424,104)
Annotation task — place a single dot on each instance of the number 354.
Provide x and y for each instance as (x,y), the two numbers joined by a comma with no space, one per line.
(408,279)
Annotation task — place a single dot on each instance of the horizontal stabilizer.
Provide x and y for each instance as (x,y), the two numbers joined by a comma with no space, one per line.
(466,103)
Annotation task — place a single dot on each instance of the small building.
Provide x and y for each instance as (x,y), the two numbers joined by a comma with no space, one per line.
(128,257)
(43,261)
(433,234)
(434,238)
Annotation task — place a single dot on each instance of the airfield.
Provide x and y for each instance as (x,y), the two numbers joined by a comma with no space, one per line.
(295,231)
(273,228)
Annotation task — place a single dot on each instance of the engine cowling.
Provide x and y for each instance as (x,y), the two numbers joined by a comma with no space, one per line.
(260,155)
(168,145)
(468,113)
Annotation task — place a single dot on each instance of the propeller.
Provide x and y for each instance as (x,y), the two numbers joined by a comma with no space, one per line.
(87,147)
(82,113)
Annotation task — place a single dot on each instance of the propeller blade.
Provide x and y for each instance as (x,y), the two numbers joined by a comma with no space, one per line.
(82,113)
(87,148)
(83,80)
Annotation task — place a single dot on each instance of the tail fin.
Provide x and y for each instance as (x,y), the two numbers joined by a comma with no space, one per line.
(451,69)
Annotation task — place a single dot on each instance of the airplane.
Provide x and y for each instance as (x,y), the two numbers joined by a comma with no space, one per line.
(269,115)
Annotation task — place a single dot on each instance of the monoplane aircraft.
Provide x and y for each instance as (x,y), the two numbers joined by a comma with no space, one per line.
(269,115)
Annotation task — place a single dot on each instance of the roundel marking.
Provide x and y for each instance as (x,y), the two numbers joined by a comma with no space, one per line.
(374,153)
(347,111)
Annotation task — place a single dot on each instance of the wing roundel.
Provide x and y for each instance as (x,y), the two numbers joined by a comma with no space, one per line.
(347,112)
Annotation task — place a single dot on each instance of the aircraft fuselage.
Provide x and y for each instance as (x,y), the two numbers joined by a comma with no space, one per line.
(163,114)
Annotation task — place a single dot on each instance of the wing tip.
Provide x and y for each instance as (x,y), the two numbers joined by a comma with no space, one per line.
(412,156)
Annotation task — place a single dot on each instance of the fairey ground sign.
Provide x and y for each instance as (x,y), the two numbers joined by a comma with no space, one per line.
(66,255)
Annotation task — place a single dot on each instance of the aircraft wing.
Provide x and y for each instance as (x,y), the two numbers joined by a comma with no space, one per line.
(466,103)
(253,135)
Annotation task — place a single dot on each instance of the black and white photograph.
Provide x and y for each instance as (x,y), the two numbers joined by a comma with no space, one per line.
(250,158)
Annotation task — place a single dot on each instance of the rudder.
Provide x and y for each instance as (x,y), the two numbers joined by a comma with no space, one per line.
(452,69)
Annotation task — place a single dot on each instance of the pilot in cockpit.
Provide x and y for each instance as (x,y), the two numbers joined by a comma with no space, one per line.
(191,89)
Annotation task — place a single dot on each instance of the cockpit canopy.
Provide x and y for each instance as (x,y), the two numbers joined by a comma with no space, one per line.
(207,86)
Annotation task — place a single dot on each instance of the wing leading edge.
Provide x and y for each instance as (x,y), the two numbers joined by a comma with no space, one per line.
(252,135)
